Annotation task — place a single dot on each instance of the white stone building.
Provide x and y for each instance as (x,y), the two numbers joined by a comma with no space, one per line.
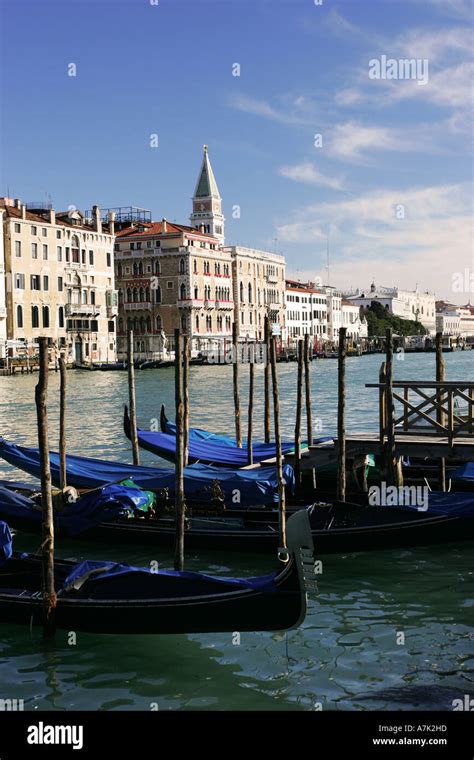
(306,313)
(407,304)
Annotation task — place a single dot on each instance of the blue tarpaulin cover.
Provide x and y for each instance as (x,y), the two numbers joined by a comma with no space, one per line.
(103,570)
(465,472)
(5,543)
(210,448)
(449,504)
(106,504)
(255,487)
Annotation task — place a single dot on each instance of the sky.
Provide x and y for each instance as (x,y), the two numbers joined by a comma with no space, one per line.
(311,151)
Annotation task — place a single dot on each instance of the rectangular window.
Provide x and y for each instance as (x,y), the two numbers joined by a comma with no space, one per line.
(58,234)
(109,259)
(20,281)
(35,282)
(34,250)
(83,255)
(17,227)
(116,247)
(94,325)
(45,282)
(59,253)
(91,258)
(75,256)
(148,243)
(60,284)
(67,254)
(45,252)
(17,248)
(34,230)
(169,284)
(111,326)
(44,232)
(139,245)
(132,246)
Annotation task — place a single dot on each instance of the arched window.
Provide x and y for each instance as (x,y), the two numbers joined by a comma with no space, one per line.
(158,322)
(84,296)
(34,316)
(135,268)
(45,316)
(196,292)
(120,296)
(129,324)
(61,316)
(141,295)
(19,316)
(158,294)
(136,324)
(129,294)
(148,324)
(241,292)
(119,270)
(75,249)
(120,325)
(183,323)
(181,266)
(157,267)
(142,324)
(140,267)
(135,295)
(147,294)
(197,322)
(182,291)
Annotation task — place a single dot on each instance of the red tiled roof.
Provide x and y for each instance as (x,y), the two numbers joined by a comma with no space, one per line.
(156,228)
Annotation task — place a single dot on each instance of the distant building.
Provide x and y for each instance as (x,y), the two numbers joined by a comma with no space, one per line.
(259,291)
(407,304)
(171,275)
(356,326)
(306,312)
(59,281)
(454,320)
(3,303)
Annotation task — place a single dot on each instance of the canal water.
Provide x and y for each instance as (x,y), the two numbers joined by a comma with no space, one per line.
(348,655)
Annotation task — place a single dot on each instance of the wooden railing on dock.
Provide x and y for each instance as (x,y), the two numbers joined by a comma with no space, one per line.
(428,408)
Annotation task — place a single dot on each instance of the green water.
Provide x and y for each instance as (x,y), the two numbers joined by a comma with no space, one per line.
(346,654)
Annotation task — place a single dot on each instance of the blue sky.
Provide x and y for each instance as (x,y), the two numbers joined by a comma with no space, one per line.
(166,69)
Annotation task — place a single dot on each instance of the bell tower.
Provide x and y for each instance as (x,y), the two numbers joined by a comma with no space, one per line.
(207,203)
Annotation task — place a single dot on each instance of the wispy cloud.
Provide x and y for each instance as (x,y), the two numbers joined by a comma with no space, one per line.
(307,173)
(368,239)
(290,110)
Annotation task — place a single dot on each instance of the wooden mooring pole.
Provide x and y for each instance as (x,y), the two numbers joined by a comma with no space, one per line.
(179,472)
(279,456)
(299,405)
(309,412)
(62,423)
(235,380)
(132,399)
(440,376)
(392,465)
(266,381)
(341,416)
(186,399)
(47,528)
(250,410)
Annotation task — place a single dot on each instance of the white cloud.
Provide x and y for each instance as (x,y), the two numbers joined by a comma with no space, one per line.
(307,173)
(428,246)
(351,139)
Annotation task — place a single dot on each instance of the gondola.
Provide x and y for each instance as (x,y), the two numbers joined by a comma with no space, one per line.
(337,527)
(107,597)
(202,483)
(204,447)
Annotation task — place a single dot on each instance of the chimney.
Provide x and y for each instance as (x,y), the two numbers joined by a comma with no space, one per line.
(96,223)
(18,203)
(23,210)
(164,225)
(52,216)
(111,222)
